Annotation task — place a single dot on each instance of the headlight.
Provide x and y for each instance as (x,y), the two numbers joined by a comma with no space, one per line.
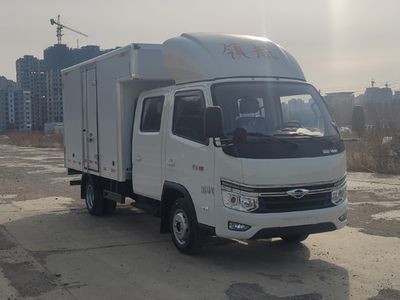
(339,194)
(238,200)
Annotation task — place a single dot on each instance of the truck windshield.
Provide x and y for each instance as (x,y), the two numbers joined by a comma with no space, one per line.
(273,109)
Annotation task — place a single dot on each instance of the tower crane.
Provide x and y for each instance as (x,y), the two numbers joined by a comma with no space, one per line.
(60,27)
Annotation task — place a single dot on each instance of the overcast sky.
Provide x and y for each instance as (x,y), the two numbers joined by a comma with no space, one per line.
(340,44)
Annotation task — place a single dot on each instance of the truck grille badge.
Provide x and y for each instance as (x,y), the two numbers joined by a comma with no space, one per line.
(298,193)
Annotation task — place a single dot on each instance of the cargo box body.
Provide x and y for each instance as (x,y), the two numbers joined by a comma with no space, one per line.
(99,105)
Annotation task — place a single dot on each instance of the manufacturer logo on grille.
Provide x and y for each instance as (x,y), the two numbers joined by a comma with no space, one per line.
(297,193)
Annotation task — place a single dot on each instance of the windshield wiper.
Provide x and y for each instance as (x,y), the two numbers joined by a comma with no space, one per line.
(313,137)
(271,138)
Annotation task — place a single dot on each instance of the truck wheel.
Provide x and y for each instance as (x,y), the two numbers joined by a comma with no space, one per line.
(109,207)
(294,238)
(184,228)
(94,198)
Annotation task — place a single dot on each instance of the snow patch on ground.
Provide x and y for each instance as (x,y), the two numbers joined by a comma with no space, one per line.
(17,165)
(7,196)
(43,169)
(371,181)
(48,204)
(39,168)
(382,203)
(16,210)
(42,157)
(387,186)
(388,215)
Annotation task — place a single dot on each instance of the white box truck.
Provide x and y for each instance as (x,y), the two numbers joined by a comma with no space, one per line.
(216,134)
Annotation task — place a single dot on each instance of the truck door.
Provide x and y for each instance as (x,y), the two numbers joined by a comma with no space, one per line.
(90,142)
(189,157)
(147,146)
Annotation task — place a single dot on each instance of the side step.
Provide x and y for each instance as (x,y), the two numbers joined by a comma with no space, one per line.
(148,205)
(114,196)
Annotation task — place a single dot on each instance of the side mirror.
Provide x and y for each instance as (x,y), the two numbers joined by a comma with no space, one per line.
(213,122)
(358,120)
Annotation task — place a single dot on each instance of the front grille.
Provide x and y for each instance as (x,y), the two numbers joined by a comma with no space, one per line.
(281,189)
(287,203)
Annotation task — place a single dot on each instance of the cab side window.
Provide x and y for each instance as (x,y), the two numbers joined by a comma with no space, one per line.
(188,119)
(151,114)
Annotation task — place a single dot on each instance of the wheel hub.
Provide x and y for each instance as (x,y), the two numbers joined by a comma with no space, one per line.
(181,227)
(90,196)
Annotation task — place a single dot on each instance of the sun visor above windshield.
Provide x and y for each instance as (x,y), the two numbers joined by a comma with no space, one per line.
(200,56)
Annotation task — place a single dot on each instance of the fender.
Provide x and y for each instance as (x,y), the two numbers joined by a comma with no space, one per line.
(172,191)
(84,179)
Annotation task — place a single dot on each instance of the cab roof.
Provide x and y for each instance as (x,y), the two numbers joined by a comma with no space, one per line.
(203,56)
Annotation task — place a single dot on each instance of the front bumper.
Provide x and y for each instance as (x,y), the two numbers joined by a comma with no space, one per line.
(278,224)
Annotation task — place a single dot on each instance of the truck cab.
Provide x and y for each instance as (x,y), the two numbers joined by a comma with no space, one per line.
(240,146)
(286,178)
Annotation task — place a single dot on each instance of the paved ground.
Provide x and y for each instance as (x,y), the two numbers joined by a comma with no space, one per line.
(50,248)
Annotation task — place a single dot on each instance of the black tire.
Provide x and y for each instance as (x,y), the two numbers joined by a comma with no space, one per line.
(294,238)
(95,202)
(184,228)
(109,207)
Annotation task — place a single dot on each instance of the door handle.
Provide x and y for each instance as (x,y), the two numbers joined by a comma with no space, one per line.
(170,163)
(138,158)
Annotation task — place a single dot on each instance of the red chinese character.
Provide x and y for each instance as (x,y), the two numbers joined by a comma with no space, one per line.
(234,50)
(262,52)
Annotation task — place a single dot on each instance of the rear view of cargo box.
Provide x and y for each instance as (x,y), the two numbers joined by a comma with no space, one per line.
(99,106)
